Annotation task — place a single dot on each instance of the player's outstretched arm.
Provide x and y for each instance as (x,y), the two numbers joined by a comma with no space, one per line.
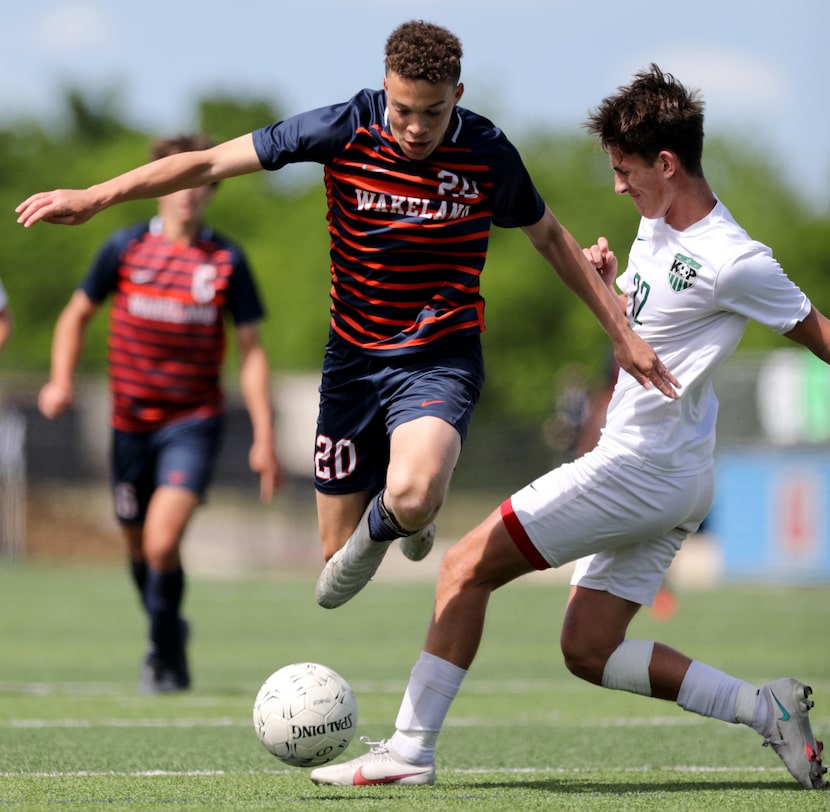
(565,256)
(185,170)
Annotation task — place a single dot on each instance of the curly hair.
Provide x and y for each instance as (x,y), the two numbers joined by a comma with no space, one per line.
(421,50)
(181,143)
(653,113)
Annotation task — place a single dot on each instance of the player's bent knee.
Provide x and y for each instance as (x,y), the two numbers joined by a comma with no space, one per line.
(584,664)
(584,658)
(453,565)
(458,571)
(413,510)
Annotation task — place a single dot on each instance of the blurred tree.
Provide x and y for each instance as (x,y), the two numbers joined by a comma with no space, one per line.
(94,117)
(535,326)
(224,116)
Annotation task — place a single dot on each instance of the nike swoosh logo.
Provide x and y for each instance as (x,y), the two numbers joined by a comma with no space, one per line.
(785,717)
(430,402)
(360,781)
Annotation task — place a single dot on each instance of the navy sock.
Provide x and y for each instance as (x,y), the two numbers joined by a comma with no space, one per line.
(383,526)
(138,570)
(164,599)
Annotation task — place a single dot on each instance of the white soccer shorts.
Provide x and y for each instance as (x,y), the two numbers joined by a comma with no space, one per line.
(621,523)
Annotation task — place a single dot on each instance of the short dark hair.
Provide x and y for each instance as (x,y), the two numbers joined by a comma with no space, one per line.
(420,50)
(653,113)
(181,143)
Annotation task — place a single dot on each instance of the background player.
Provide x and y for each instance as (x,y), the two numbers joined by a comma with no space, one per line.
(172,281)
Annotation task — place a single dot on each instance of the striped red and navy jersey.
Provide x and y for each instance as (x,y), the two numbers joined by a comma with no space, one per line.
(408,238)
(166,339)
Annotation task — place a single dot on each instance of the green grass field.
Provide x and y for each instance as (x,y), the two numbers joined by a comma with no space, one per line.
(523,733)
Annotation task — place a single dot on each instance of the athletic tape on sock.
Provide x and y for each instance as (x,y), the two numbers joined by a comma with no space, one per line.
(627,667)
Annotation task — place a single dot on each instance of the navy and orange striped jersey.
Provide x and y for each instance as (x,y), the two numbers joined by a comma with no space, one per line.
(408,238)
(166,339)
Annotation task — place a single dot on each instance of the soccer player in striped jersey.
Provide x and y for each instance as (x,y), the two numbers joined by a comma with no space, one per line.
(172,281)
(414,183)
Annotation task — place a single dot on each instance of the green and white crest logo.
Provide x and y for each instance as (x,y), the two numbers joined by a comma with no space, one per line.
(683,272)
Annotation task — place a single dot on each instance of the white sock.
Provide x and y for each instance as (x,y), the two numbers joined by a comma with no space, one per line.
(753,709)
(433,684)
(710,692)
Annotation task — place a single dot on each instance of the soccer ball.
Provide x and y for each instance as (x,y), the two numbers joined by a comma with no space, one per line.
(305,714)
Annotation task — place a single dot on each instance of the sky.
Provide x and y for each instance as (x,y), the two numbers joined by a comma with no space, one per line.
(763,69)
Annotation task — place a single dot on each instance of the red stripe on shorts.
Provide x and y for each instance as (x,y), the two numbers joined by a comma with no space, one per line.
(520,536)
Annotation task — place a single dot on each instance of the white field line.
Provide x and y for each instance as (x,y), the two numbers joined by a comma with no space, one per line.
(224,721)
(469,771)
(472,686)
(36,724)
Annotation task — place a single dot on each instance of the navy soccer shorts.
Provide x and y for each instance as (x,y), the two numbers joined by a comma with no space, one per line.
(364,397)
(182,454)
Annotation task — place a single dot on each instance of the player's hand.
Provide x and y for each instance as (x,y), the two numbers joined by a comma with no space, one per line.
(637,357)
(603,259)
(263,461)
(69,207)
(53,400)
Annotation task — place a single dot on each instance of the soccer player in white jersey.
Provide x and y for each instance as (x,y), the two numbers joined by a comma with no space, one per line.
(693,281)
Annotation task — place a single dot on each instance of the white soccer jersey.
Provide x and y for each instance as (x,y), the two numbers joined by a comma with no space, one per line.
(690,295)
